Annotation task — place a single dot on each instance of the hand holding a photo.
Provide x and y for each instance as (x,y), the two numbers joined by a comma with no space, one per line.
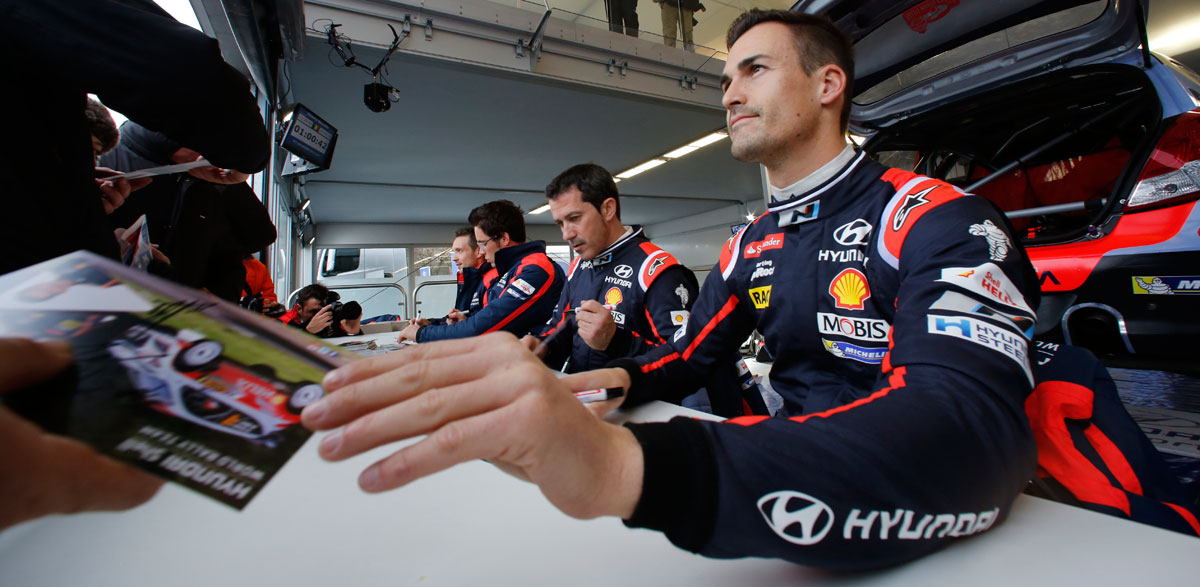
(209,173)
(42,473)
(113,192)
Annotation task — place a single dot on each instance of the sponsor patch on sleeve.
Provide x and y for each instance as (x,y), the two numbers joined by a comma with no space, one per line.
(998,243)
(996,338)
(680,333)
(989,281)
(915,196)
(522,285)
(957,302)
(679,317)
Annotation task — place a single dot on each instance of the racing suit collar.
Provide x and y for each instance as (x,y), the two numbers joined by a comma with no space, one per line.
(508,257)
(606,257)
(811,186)
(470,272)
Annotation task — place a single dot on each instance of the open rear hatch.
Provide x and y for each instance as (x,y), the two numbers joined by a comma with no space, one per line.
(1051,152)
(913,56)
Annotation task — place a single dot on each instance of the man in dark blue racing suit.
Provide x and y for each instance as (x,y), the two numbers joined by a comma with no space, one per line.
(624,295)
(897,308)
(475,276)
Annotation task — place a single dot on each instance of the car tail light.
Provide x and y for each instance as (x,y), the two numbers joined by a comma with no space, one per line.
(1173,172)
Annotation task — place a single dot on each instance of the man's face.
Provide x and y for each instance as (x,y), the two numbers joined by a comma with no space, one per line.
(463,254)
(489,245)
(309,309)
(97,149)
(771,105)
(582,225)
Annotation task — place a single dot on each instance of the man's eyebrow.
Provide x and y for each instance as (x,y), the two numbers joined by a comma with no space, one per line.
(743,64)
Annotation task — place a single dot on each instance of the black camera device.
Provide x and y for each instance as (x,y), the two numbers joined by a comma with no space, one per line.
(377,97)
(254,303)
(334,299)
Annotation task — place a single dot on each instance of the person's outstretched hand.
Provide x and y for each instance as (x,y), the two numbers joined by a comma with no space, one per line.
(502,406)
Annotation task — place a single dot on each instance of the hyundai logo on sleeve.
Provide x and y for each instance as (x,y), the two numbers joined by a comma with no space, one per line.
(796,517)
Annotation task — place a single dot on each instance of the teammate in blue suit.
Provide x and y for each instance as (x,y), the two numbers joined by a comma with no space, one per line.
(522,297)
(475,276)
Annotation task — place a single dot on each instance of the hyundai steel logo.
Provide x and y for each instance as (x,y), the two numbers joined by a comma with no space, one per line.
(853,233)
(623,271)
(796,517)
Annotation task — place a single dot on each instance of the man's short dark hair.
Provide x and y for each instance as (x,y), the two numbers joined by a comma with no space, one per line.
(818,41)
(351,310)
(499,217)
(594,182)
(468,232)
(102,126)
(315,291)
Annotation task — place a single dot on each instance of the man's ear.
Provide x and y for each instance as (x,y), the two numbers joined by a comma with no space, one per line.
(608,209)
(833,83)
(505,240)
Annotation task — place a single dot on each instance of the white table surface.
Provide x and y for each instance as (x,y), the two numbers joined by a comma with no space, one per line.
(379,337)
(473,525)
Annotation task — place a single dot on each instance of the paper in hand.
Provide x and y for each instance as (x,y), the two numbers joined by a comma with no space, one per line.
(163,170)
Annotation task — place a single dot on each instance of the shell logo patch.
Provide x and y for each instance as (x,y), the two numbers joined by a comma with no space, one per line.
(849,289)
(612,297)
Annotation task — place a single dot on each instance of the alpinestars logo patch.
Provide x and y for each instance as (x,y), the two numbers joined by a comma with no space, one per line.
(912,202)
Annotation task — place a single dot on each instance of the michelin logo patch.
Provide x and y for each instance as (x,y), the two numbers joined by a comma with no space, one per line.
(845,350)
(682,292)
(998,243)
(1001,340)
(1166,285)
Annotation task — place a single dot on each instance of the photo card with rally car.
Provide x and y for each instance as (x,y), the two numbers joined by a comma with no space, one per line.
(172,380)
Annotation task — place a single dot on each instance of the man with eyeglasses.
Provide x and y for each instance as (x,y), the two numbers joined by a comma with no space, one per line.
(529,283)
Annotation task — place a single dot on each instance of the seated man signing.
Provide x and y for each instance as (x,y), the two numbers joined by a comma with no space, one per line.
(522,298)
(624,295)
